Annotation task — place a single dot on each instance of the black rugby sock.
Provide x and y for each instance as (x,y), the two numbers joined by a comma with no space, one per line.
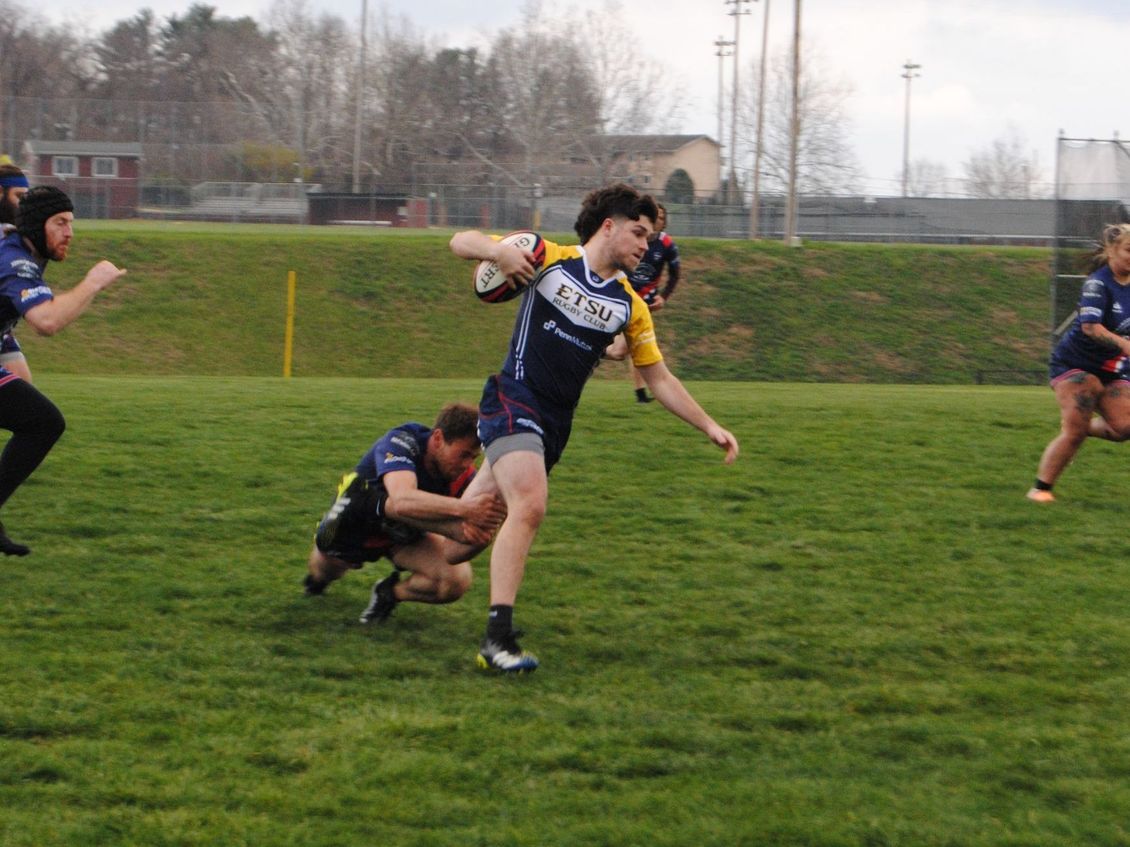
(500,621)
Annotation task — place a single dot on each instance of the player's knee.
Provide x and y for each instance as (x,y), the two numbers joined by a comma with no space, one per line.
(455,584)
(53,424)
(529,511)
(1118,430)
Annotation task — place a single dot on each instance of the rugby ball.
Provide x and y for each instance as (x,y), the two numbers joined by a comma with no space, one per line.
(490,284)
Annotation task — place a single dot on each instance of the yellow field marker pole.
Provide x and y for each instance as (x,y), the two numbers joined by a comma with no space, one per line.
(288,344)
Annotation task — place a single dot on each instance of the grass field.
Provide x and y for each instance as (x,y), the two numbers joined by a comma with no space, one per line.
(860,634)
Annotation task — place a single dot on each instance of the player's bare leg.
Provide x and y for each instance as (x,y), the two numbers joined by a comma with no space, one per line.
(431,579)
(1078,398)
(1114,409)
(321,570)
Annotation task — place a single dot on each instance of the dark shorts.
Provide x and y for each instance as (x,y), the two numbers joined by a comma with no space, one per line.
(1058,371)
(354,532)
(509,408)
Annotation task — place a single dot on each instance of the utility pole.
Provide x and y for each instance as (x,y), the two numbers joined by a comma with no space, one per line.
(794,134)
(721,52)
(360,100)
(908,73)
(736,13)
(755,206)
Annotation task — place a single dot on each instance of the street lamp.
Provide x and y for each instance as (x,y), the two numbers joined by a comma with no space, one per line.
(908,73)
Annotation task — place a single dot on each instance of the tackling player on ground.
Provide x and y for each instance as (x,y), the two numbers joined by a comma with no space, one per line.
(402,496)
(573,308)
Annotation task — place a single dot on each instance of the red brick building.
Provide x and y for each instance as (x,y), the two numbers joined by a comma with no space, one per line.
(102,178)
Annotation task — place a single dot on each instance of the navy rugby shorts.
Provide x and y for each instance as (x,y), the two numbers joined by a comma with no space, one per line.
(509,408)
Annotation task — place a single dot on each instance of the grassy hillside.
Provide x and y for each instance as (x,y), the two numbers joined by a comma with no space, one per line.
(212,300)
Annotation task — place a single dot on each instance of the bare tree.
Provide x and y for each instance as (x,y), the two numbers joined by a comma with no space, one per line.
(549,101)
(925,178)
(309,103)
(633,94)
(1002,170)
(826,163)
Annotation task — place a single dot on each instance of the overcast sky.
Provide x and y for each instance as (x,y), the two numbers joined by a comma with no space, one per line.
(990,68)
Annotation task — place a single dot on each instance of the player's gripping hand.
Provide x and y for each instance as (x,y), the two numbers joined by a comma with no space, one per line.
(516,264)
(484,514)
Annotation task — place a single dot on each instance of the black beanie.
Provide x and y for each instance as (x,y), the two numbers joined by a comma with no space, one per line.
(39,204)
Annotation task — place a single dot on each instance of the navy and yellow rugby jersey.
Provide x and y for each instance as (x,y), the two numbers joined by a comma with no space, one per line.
(566,317)
(1102,301)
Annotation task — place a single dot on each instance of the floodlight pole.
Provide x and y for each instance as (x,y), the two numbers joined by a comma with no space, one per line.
(755,205)
(360,99)
(736,13)
(794,138)
(720,51)
(908,73)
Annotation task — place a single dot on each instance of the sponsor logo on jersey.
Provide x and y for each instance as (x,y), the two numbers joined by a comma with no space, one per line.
(406,444)
(32,293)
(551,326)
(25,268)
(1091,312)
(529,424)
(392,458)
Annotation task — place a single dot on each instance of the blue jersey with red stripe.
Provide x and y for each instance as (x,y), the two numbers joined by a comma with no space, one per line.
(21,281)
(661,251)
(402,449)
(21,288)
(1102,301)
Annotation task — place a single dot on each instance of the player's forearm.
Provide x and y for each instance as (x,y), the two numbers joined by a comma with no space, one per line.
(672,281)
(674,397)
(1100,334)
(422,506)
(50,317)
(472,244)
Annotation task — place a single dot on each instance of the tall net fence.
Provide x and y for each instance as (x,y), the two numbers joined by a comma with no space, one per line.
(1092,190)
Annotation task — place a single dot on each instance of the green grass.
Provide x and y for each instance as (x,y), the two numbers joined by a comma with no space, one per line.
(860,634)
(211,300)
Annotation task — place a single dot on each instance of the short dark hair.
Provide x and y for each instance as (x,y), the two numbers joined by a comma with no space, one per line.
(618,200)
(458,420)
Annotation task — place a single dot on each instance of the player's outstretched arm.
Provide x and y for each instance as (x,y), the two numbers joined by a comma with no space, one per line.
(470,519)
(673,396)
(50,317)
